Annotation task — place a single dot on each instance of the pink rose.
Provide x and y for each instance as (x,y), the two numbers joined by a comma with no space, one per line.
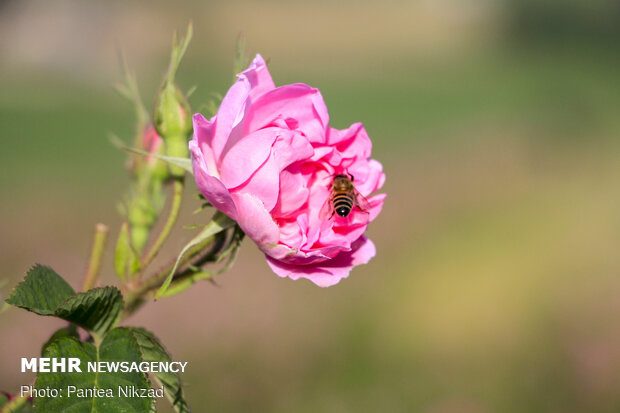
(268,159)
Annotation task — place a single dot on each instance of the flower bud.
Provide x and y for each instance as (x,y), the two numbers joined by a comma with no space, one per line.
(172,112)
(141,217)
(173,122)
(153,143)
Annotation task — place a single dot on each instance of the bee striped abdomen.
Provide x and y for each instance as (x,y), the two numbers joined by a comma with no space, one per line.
(343,203)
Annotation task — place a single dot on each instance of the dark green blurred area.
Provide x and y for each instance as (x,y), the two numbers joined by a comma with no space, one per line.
(495,287)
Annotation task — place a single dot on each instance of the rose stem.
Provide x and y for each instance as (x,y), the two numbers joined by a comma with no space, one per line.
(96,255)
(18,401)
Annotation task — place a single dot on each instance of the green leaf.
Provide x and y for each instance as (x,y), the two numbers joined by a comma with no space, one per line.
(96,310)
(218,223)
(126,261)
(118,345)
(152,350)
(183,163)
(69,331)
(41,292)
(45,293)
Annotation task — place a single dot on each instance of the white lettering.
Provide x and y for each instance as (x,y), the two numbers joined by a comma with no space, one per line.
(58,364)
(74,365)
(113,366)
(183,366)
(44,365)
(29,365)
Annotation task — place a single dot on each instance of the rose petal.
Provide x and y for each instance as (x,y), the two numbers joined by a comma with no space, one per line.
(212,188)
(293,194)
(369,176)
(291,147)
(229,114)
(263,184)
(356,223)
(298,101)
(255,221)
(330,272)
(243,159)
(351,142)
(258,77)
(203,137)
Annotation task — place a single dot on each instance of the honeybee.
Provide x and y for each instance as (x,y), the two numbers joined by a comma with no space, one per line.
(343,197)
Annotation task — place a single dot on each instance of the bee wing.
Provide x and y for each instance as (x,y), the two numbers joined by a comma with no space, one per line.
(327,210)
(361,202)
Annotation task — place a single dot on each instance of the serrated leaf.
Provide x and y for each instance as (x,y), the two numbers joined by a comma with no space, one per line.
(118,345)
(69,331)
(126,261)
(218,223)
(96,310)
(152,350)
(41,292)
(45,293)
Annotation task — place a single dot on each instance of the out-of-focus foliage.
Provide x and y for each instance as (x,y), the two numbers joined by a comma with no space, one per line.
(495,284)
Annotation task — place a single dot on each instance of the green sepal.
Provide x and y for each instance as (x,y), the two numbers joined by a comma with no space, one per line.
(218,223)
(178,286)
(172,115)
(241,58)
(183,163)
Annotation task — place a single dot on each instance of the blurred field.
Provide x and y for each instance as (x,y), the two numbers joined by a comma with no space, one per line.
(495,287)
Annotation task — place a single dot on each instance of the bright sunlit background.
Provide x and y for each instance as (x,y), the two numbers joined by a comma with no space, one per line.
(496,287)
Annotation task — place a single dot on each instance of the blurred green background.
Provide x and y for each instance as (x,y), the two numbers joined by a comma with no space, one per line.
(496,287)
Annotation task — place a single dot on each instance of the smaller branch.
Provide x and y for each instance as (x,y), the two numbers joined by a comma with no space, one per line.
(177,197)
(96,255)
